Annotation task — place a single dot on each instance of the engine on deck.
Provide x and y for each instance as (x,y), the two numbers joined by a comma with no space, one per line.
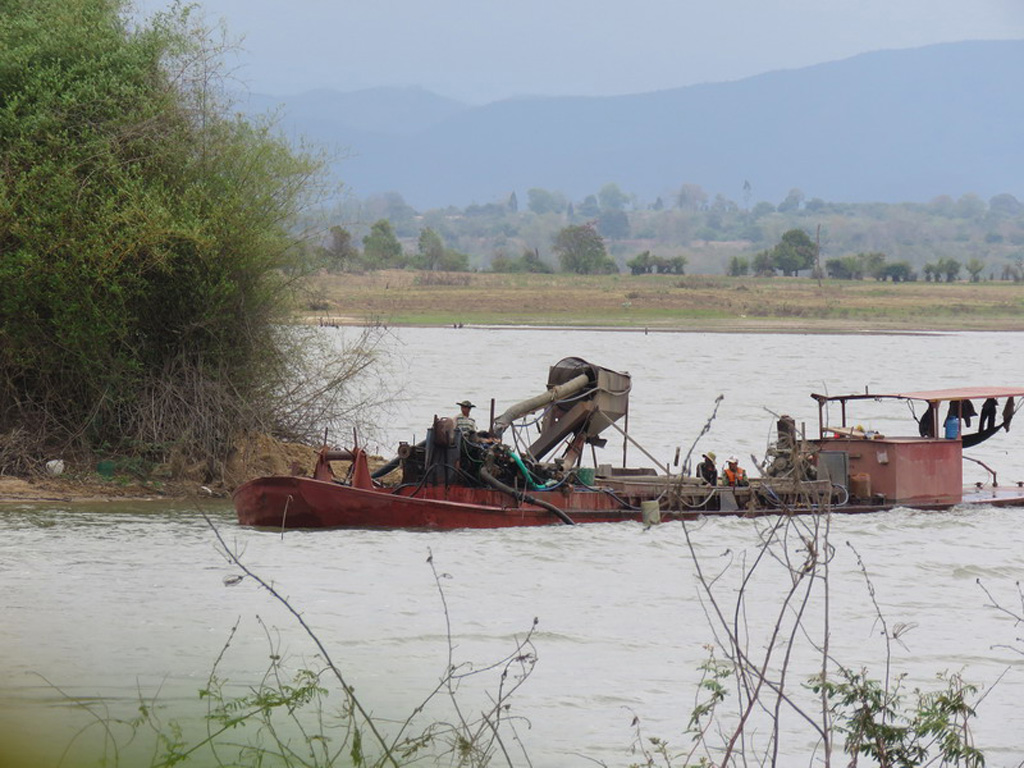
(451,456)
(580,402)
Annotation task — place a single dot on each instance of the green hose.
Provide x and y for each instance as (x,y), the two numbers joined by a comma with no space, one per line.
(530,482)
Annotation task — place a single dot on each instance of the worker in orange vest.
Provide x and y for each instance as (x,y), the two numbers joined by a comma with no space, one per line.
(734,474)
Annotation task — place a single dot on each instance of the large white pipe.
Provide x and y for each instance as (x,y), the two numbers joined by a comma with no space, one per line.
(562,391)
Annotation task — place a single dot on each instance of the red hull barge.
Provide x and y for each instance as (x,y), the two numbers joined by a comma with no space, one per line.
(302,502)
(465,479)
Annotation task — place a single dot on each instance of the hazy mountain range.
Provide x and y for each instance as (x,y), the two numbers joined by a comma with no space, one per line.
(889,126)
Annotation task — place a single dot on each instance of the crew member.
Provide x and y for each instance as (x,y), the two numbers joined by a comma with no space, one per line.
(734,474)
(707,470)
(464,421)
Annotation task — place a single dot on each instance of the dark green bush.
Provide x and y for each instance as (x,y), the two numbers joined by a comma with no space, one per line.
(143,234)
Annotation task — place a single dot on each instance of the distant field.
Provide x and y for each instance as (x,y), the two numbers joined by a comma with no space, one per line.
(662,302)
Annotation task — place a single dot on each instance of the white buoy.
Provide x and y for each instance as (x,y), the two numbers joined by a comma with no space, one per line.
(651,512)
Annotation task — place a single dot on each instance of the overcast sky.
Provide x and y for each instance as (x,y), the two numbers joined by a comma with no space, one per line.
(484,51)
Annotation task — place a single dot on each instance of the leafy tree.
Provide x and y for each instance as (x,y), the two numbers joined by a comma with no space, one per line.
(646,263)
(392,206)
(948,267)
(750,230)
(722,205)
(764,264)
(641,264)
(581,250)
(792,201)
(970,206)
(613,224)
(878,725)
(589,208)
(144,233)
(943,205)
(430,250)
(612,198)
(975,267)
(738,266)
(381,249)
(454,261)
(513,203)
(897,271)
(1005,205)
(931,272)
(794,252)
(691,197)
(858,266)
(874,264)
(675,266)
(341,254)
(1017,267)
(532,262)
(844,268)
(541,201)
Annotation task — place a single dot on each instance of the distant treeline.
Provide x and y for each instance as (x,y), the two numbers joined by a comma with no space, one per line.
(944,239)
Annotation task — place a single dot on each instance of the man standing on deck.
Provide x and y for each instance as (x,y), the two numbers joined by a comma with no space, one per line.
(464,421)
(734,474)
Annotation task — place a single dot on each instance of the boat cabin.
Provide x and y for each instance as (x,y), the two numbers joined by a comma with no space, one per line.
(922,468)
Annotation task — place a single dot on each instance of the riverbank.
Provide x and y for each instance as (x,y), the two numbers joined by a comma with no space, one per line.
(39,490)
(705,303)
(82,482)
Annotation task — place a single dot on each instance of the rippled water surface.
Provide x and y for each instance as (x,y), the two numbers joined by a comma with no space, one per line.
(110,602)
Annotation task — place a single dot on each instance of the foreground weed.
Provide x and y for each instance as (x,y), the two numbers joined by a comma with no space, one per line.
(284,719)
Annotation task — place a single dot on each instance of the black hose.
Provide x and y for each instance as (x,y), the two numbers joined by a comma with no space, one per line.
(381,471)
(488,478)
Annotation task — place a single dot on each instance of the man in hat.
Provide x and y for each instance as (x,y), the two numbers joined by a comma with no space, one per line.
(734,474)
(707,470)
(464,421)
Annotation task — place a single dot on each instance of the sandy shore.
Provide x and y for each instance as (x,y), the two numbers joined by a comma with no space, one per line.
(39,490)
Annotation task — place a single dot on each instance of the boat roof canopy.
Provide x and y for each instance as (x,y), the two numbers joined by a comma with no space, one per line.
(931,396)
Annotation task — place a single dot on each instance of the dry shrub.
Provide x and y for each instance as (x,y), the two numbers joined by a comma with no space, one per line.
(19,449)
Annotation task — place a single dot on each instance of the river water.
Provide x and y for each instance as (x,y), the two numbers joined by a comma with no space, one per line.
(107,604)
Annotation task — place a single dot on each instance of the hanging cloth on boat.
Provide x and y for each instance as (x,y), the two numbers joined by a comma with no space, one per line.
(926,425)
(963,409)
(988,414)
(1008,411)
(980,436)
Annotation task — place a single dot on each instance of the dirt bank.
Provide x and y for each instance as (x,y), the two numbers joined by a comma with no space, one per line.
(82,482)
